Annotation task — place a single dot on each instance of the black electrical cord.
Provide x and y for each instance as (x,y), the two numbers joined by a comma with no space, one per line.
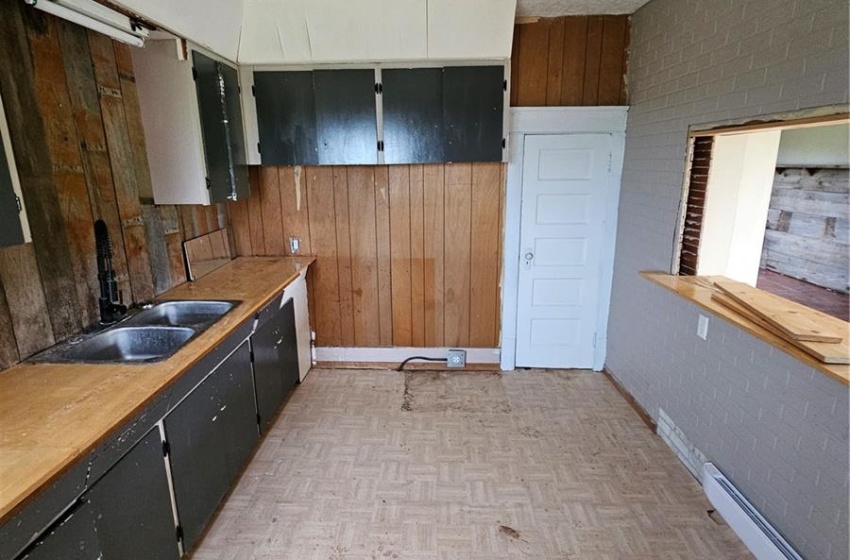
(404,363)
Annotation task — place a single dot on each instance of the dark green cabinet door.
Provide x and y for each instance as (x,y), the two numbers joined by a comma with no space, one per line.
(10,220)
(473,113)
(413,115)
(286,118)
(131,505)
(275,362)
(73,537)
(211,435)
(217,85)
(346,121)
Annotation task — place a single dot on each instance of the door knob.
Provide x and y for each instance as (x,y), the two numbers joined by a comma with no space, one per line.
(529,256)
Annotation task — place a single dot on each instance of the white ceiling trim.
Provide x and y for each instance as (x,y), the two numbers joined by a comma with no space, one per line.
(555,8)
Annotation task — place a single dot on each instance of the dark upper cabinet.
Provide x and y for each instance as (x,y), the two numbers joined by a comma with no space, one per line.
(211,435)
(473,113)
(452,114)
(11,232)
(217,86)
(413,115)
(275,362)
(346,122)
(324,117)
(131,505)
(286,118)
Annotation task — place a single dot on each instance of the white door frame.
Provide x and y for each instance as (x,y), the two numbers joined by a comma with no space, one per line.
(558,120)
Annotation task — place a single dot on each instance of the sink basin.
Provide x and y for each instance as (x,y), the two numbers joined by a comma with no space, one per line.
(127,344)
(182,313)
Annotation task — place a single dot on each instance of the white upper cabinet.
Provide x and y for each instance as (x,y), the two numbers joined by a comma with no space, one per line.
(213,24)
(338,31)
(470,29)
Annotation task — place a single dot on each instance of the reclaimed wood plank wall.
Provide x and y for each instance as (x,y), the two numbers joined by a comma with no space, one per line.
(570,61)
(73,115)
(407,255)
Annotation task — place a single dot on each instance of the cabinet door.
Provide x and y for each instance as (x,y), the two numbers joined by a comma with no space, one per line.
(216,143)
(473,112)
(11,232)
(132,506)
(413,115)
(346,119)
(73,537)
(275,362)
(211,435)
(236,135)
(286,118)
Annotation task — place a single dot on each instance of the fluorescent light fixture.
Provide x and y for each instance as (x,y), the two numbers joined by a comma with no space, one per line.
(96,17)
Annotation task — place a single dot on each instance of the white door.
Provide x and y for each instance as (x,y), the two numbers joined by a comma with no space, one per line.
(564,186)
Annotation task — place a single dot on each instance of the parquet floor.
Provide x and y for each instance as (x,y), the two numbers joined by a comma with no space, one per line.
(374,465)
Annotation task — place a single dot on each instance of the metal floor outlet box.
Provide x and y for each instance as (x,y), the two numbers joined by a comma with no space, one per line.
(456,358)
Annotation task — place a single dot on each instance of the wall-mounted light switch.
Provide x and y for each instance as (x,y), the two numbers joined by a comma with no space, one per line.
(702,327)
(294,245)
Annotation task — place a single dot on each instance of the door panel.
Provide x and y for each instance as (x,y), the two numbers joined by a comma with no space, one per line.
(275,362)
(236,135)
(413,115)
(286,117)
(72,538)
(473,112)
(213,131)
(564,197)
(132,506)
(345,117)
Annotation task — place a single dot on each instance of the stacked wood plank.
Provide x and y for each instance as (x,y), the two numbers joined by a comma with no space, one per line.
(819,335)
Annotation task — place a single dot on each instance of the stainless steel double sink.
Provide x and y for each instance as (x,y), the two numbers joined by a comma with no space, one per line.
(151,335)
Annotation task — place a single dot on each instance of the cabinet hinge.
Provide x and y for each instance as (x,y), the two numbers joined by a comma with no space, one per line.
(505,85)
(209,183)
(194,74)
(381,146)
(504,143)
(178,531)
(18,203)
(251,354)
(239,89)
(379,88)
(166,449)
(594,340)
(258,419)
(254,91)
(259,151)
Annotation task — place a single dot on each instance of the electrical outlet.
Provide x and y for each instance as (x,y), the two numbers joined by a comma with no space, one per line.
(294,245)
(457,358)
(702,327)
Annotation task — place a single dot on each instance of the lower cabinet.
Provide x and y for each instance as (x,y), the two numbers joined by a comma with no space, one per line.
(126,514)
(275,347)
(131,506)
(210,437)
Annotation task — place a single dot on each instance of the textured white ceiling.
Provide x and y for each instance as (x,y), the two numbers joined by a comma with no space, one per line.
(553,8)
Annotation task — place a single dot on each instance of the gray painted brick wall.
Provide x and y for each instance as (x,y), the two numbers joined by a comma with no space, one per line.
(776,427)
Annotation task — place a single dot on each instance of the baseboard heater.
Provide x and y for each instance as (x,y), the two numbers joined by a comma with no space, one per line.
(761,538)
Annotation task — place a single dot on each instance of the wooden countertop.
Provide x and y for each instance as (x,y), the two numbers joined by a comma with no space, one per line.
(699,290)
(54,414)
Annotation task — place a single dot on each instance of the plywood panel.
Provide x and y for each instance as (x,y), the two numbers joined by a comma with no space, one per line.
(611,61)
(30,320)
(400,225)
(484,263)
(458,212)
(417,255)
(364,256)
(322,220)
(532,65)
(593,61)
(343,248)
(256,227)
(574,61)
(239,222)
(434,249)
(270,208)
(294,202)
(382,229)
(570,61)
(8,345)
(123,165)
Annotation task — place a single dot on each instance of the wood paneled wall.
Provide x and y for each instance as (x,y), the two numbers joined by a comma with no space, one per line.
(72,108)
(569,61)
(407,255)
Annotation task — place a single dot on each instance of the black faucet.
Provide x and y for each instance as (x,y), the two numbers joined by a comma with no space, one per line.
(112,308)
